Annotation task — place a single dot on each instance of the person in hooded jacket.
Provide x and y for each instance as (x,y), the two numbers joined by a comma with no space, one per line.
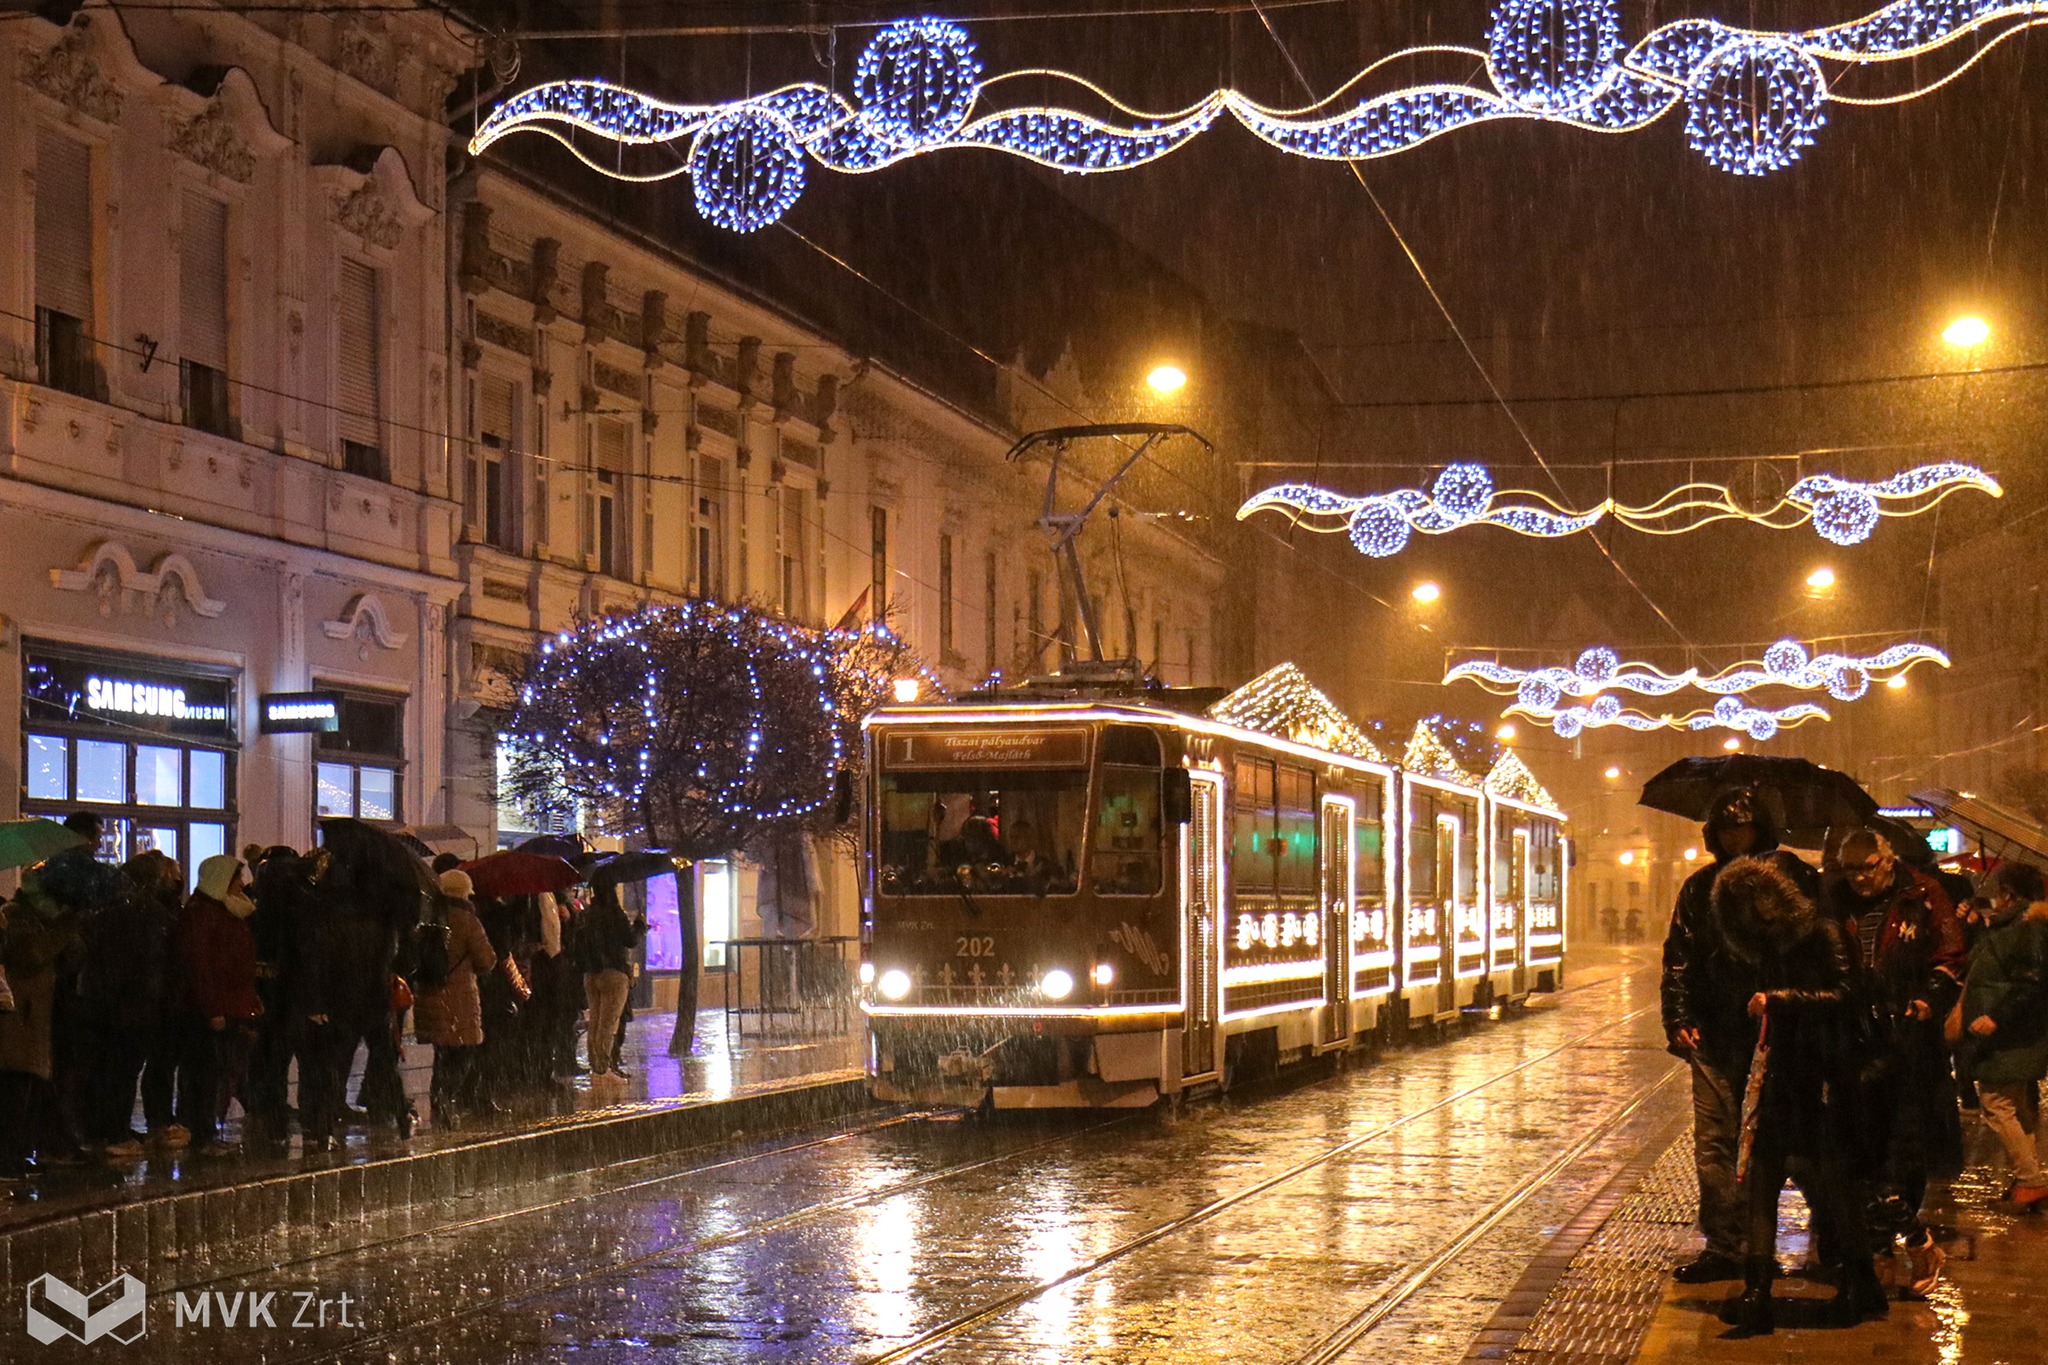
(2004,1024)
(39,943)
(1909,961)
(218,1002)
(121,993)
(449,1013)
(1795,964)
(1704,997)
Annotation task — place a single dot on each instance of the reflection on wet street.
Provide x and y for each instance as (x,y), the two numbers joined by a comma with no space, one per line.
(1376,1213)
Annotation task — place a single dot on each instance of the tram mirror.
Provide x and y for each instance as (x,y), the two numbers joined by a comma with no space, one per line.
(1176,796)
(842,797)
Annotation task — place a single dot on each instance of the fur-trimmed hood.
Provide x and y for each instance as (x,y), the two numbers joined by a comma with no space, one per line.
(1762,912)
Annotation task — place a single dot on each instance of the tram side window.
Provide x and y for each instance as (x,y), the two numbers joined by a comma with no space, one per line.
(1507,861)
(1369,835)
(1253,835)
(988,833)
(1544,861)
(1125,857)
(1294,864)
(1422,859)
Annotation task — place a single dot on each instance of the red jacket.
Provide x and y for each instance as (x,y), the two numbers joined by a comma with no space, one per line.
(216,954)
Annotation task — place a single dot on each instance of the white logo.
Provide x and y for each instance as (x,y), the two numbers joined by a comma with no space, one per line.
(117,1309)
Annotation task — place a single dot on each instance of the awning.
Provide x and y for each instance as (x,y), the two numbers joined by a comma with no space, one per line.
(2004,834)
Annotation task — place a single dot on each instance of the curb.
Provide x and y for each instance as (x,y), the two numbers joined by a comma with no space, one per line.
(93,1246)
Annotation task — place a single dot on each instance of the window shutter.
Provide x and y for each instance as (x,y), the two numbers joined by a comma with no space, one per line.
(64,226)
(203,282)
(612,448)
(497,404)
(358,393)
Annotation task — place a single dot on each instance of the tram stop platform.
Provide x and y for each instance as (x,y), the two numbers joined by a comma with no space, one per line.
(90,1218)
(1602,1293)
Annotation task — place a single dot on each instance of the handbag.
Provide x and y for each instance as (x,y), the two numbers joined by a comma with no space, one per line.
(516,979)
(401,995)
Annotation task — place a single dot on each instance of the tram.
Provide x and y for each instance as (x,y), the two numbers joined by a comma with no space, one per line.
(1096,897)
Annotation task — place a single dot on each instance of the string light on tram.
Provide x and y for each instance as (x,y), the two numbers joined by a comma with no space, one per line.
(1843,511)
(1754,100)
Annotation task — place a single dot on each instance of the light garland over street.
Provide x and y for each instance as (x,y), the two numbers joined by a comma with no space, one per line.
(1754,100)
(1785,664)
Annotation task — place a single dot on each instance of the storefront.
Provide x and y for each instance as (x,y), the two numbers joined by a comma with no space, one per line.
(150,744)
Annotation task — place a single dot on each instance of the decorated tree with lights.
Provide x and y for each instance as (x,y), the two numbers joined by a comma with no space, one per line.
(696,727)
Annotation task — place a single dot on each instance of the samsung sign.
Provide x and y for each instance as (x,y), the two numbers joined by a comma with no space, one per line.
(130,698)
(128,694)
(294,713)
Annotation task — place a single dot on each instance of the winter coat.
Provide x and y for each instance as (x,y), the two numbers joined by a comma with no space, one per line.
(1702,985)
(451,1014)
(39,941)
(1799,959)
(216,956)
(2008,981)
(127,962)
(1919,951)
(605,936)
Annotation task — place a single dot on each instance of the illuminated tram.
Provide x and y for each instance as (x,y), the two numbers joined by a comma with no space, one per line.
(1095,899)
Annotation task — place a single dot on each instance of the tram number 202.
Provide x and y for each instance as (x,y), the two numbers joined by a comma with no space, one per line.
(975,947)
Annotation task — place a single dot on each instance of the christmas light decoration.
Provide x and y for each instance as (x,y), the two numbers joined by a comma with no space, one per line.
(1380,524)
(1785,664)
(1728,714)
(1428,756)
(1754,100)
(1283,702)
(1511,778)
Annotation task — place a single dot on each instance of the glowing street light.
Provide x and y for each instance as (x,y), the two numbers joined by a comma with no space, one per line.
(1613,773)
(1166,379)
(1896,682)
(1692,855)
(906,690)
(1731,744)
(1821,579)
(1426,592)
(1505,733)
(1628,857)
(1966,332)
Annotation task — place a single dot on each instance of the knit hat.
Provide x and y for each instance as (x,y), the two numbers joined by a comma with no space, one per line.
(217,874)
(456,885)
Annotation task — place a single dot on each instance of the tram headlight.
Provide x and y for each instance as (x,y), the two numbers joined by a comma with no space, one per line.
(895,984)
(1057,984)
(867,973)
(1103,974)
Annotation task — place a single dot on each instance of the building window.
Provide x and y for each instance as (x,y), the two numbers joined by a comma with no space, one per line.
(361,763)
(64,275)
(710,529)
(945,597)
(794,552)
(203,315)
(614,458)
(492,482)
(878,563)
(359,388)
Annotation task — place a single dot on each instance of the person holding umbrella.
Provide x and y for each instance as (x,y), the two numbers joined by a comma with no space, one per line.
(1795,963)
(1704,996)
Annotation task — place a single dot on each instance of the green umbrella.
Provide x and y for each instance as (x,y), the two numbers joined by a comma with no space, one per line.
(24,842)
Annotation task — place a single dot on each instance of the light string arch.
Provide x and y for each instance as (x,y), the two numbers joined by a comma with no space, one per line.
(1754,100)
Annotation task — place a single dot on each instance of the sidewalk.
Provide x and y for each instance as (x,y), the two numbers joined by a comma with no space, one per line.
(1615,1302)
(172,1204)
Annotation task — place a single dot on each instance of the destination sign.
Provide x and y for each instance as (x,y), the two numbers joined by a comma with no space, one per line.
(1050,748)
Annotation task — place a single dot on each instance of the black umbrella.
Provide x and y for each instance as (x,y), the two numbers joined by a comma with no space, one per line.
(554,845)
(1808,799)
(371,862)
(636,866)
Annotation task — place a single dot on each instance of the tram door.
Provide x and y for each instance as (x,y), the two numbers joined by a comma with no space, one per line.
(1521,898)
(1338,880)
(1201,873)
(1448,894)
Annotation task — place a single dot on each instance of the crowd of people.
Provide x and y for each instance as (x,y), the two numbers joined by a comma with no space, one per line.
(1838,1020)
(115,983)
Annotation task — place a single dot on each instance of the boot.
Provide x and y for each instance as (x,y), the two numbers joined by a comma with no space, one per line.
(1707,1267)
(1749,1313)
(1861,1297)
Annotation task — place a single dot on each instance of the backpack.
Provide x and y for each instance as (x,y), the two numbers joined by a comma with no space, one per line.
(430,954)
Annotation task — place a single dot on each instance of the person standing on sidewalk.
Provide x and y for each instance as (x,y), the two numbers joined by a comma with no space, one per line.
(1909,969)
(1796,964)
(449,1012)
(2002,1023)
(606,938)
(1704,996)
(220,1006)
(39,942)
(120,989)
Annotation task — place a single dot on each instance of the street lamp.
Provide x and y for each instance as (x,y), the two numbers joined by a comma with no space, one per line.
(1896,682)
(1966,332)
(1613,773)
(1628,857)
(1505,733)
(1166,379)
(1821,579)
(1692,855)
(1426,592)
(1731,744)
(906,690)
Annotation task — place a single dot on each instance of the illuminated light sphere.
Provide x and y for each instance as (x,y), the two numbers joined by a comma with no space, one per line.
(1753,105)
(1567,724)
(1846,516)
(1785,658)
(1821,579)
(1379,531)
(1167,379)
(1604,709)
(1462,490)
(1598,664)
(1848,682)
(1426,592)
(1896,682)
(1553,56)
(916,82)
(1967,332)
(1761,725)
(1728,711)
(746,169)
(1538,694)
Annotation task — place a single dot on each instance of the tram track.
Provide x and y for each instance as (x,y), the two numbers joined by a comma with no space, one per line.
(958,1327)
(684,1249)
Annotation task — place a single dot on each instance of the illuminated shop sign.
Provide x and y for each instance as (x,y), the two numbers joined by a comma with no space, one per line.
(101,690)
(298,713)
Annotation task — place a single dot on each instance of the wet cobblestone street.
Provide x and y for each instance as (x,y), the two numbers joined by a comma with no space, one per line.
(1382,1212)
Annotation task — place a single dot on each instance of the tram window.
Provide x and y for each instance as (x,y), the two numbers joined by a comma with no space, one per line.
(1294,863)
(987,832)
(1124,860)
(1130,745)
(1370,841)
(1422,860)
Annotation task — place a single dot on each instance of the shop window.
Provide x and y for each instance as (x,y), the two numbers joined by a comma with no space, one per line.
(720,888)
(361,761)
(48,773)
(102,771)
(159,775)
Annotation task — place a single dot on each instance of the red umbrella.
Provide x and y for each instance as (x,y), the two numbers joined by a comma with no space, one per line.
(512,873)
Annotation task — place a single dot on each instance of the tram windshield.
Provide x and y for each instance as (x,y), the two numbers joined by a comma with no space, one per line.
(989,832)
